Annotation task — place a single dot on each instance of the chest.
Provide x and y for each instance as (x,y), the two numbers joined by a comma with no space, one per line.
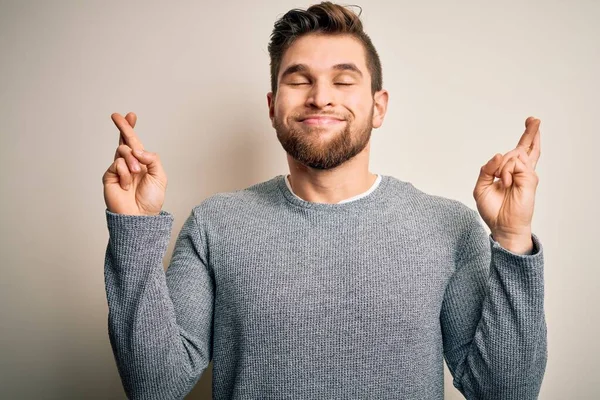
(361,272)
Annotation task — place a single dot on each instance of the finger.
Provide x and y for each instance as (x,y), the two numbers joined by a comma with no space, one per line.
(129,136)
(524,144)
(126,152)
(532,125)
(515,166)
(154,165)
(132,119)
(125,178)
(111,175)
(520,166)
(507,172)
(519,153)
(505,158)
(536,149)
(522,169)
(486,174)
(120,168)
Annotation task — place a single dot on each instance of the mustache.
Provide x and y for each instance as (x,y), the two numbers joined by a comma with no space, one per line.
(302,116)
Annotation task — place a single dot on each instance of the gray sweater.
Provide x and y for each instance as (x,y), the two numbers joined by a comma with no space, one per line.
(299,300)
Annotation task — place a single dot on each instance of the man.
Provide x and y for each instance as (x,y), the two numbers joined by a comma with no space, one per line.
(330,282)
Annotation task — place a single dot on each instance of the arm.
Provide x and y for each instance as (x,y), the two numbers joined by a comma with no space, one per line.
(492,317)
(159,324)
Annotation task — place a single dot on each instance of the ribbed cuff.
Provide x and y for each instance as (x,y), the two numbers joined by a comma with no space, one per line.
(503,256)
(161,222)
(138,240)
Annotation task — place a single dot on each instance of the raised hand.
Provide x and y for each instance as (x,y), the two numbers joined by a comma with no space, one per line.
(135,183)
(506,205)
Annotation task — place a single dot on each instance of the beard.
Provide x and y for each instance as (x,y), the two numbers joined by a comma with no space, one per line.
(307,146)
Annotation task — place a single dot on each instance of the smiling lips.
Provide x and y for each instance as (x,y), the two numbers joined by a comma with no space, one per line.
(320,120)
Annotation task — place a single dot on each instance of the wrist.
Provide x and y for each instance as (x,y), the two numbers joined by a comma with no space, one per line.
(521,243)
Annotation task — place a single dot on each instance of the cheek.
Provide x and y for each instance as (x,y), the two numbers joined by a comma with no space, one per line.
(359,101)
(359,107)
(285,104)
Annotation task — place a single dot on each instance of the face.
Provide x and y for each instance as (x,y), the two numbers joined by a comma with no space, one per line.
(324,109)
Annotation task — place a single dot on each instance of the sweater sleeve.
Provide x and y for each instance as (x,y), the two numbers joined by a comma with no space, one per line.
(492,318)
(159,324)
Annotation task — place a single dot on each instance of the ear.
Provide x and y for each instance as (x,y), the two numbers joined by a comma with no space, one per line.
(271,105)
(380,102)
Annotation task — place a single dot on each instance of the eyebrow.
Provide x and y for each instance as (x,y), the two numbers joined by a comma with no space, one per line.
(292,69)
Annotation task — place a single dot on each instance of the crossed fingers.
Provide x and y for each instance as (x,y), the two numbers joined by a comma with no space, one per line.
(528,149)
(128,141)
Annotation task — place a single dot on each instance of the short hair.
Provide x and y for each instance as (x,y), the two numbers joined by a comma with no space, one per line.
(324,18)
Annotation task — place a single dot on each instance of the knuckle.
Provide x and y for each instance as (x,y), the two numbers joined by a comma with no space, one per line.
(122,164)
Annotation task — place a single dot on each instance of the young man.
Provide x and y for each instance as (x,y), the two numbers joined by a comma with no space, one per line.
(331,282)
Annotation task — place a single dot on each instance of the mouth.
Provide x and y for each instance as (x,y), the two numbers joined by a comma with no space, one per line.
(320,121)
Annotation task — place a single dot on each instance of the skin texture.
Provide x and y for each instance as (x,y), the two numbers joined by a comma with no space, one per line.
(328,160)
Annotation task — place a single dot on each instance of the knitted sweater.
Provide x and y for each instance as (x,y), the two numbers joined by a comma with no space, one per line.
(300,300)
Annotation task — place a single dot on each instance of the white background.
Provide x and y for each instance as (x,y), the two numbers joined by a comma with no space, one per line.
(462,77)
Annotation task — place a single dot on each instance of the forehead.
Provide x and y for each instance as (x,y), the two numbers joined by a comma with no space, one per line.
(320,52)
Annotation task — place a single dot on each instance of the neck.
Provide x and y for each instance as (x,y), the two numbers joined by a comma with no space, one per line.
(334,185)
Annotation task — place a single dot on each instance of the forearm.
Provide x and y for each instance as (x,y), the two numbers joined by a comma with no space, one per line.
(142,324)
(506,358)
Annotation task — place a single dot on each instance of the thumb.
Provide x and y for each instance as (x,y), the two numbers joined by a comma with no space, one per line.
(152,161)
(486,174)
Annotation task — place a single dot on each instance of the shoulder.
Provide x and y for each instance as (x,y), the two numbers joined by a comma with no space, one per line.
(449,220)
(238,202)
(431,206)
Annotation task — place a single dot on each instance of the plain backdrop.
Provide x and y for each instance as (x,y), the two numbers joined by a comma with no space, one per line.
(462,77)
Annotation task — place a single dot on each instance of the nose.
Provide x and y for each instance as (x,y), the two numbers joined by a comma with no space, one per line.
(320,95)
